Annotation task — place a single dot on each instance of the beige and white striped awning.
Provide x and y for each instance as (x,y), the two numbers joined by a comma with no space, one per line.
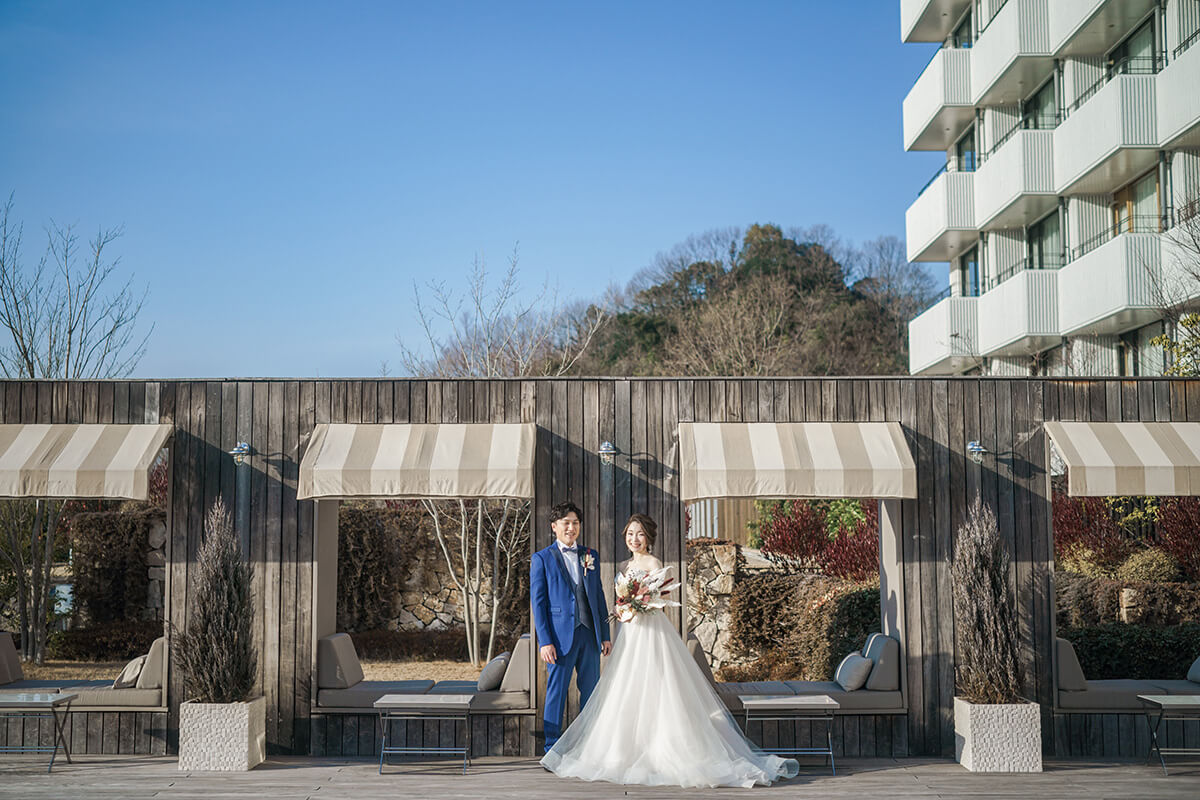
(795,459)
(1129,458)
(111,461)
(446,460)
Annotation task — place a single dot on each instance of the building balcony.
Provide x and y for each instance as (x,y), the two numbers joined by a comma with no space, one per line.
(1012,55)
(1014,186)
(938,108)
(929,20)
(1019,314)
(1113,287)
(1109,138)
(941,223)
(942,340)
(1088,27)
(1179,120)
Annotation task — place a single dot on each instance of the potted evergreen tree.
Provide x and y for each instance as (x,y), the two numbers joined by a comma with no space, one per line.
(995,729)
(220,726)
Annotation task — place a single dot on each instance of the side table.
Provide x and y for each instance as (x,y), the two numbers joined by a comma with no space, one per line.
(396,707)
(787,708)
(38,704)
(1158,707)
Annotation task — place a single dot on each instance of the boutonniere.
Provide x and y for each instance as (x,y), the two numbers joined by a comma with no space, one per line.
(588,560)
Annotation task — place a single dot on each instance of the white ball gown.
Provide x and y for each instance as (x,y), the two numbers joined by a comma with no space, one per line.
(655,720)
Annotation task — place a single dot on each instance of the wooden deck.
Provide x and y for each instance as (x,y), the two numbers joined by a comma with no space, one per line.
(101,777)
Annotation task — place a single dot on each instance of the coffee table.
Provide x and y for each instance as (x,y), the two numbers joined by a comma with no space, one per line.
(788,708)
(396,707)
(39,704)
(1158,707)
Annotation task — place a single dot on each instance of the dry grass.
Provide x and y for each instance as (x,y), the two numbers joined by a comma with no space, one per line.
(373,670)
(417,670)
(69,670)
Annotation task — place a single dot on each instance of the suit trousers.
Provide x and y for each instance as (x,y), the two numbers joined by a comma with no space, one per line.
(583,659)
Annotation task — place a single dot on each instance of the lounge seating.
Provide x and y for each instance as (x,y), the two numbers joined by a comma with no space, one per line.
(146,693)
(340,684)
(1077,694)
(880,695)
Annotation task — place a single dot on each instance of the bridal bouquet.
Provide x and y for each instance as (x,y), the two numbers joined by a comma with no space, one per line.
(638,592)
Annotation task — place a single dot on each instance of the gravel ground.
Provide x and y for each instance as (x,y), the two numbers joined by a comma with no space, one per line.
(373,670)
(81,670)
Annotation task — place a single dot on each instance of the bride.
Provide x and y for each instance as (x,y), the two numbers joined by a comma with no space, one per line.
(654,719)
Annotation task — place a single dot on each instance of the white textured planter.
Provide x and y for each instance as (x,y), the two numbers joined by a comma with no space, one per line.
(225,737)
(998,738)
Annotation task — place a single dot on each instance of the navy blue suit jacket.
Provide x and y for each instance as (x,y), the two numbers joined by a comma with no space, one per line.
(553,595)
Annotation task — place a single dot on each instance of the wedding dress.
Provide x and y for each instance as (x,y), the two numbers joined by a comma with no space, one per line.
(655,720)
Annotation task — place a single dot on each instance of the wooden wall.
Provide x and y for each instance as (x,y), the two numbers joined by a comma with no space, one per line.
(639,416)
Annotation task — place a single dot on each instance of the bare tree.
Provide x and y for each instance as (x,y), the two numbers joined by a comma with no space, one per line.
(60,320)
(492,333)
(900,287)
(466,536)
(1176,288)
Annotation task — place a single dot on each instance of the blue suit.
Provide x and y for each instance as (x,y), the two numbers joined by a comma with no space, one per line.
(552,593)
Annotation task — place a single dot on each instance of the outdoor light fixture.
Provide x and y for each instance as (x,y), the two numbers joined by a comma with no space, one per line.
(240,452)
(976,451)
(608,451)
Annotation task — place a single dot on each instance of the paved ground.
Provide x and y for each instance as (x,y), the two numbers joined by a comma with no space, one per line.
(124,777)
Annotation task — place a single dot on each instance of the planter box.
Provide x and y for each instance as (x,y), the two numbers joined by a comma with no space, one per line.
(224,737)
(998,738)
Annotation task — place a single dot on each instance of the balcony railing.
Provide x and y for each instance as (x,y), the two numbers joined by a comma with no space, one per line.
(932,301)
(953,165)
(1192,38)
(1133,65)
(1046,262)
(1137,223)
(1030,122)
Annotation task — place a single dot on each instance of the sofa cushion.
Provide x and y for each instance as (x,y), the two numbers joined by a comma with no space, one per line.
(499,701)
(1176,687)
(36,686)
(853,672)
(850,701)
(337,663)
(1070,674)
(871,637)
(492,673)
(699,656)
(884,652)
(129,676)
(151,676)
(516,677)
(87,695)
(364,693)
(728,692)
(1193,673)
(1110,695)
(10,662)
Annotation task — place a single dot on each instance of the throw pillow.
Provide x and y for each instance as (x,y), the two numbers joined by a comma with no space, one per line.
(493,673)
(1194,673)
(128,677)
(852,673)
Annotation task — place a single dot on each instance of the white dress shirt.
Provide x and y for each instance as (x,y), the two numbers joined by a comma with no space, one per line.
(571,556)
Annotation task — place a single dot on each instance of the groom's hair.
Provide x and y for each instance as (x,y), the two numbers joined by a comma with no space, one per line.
(560,510)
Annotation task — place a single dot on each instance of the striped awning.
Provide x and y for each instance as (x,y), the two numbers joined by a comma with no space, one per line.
(447,460)
(794,459)
(111,461)
(1129,458)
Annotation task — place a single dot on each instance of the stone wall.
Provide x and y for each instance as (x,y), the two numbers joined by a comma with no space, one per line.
(430,600)
(712,571)
(156,567)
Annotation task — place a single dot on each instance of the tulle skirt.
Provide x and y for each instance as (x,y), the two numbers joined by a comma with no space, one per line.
(655,720)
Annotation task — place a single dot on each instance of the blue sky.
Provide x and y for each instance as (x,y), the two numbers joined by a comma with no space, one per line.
(284,172)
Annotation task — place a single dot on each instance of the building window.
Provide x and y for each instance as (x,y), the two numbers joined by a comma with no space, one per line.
(1045,243)
(1040,111)
(1138,355)
(961,37)
(1135,55)
(968,269)
(1135,207)
(964,152)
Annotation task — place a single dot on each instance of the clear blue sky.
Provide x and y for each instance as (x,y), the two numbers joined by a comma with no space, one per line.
(285,171)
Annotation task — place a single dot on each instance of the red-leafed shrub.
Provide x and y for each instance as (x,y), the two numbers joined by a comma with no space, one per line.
(1179,532)
(796,537)
(1086,537)
(855,554)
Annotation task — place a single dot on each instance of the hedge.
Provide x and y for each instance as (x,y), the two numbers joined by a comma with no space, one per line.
(1084,601)
(1135,651)
(108,560)
(799,627)
(111,641)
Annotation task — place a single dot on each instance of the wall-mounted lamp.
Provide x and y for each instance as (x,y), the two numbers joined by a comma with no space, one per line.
(608,451)
(976,451)
(240,452)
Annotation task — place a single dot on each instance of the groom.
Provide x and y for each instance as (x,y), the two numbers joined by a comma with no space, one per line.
(570,615)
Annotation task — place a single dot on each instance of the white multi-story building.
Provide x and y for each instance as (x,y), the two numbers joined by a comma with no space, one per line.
(1071,130)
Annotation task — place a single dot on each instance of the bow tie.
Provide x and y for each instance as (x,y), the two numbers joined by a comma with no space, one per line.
(569,549)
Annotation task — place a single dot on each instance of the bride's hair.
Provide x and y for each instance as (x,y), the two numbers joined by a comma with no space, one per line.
(648,525)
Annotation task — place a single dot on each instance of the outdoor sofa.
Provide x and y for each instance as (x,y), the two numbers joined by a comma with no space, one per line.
(141,681)
(502,685)
(1076,694)
(880,694)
